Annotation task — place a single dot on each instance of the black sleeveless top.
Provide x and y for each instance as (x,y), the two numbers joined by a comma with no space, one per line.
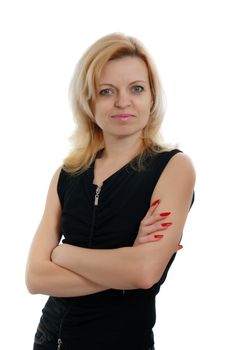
(111,319)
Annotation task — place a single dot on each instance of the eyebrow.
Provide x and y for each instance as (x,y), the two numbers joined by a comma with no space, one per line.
(133,82)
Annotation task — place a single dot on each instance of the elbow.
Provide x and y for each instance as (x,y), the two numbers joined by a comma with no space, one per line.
(32,290)
(31,284)
(149,270)
(147,277)
(36,285)
(40,280)
(35,280)
(146,282)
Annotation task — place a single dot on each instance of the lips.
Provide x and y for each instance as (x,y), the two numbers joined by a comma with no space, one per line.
(123,117)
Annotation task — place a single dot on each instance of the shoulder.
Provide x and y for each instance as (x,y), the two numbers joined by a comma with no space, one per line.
(59,171)
(55,180)
(57,175)
(60,180)
(177,178)
(180,167)
(173,162)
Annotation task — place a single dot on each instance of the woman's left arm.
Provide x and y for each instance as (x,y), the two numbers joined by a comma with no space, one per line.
(139,266)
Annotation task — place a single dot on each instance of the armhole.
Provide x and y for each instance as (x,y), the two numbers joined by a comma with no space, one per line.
(168,156)
(174,152)
(160,162)
(61,185)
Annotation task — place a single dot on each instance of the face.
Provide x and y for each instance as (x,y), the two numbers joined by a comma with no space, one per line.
(124,100)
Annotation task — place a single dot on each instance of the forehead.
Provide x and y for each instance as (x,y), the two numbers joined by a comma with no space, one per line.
(124,69)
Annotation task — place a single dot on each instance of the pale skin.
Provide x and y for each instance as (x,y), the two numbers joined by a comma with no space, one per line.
(65,270)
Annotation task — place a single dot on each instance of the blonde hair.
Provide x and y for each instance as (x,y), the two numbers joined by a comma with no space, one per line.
(87,139)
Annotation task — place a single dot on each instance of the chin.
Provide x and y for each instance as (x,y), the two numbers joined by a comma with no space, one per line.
(125,133)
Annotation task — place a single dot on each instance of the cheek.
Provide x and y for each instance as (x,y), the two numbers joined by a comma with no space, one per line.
(146,120)
(145,109)
(102,111)
(101,108)
(100,118)
(99,121)
(97,114)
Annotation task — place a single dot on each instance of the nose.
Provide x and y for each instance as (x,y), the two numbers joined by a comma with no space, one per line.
(122,100)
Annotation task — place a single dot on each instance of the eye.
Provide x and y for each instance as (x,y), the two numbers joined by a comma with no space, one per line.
(106,92)
(137,89)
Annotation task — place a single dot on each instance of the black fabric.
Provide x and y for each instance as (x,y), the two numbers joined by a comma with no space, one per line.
(122,319)
(43,340)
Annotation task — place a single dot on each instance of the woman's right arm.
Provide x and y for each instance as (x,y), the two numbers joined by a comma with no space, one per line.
(42,275)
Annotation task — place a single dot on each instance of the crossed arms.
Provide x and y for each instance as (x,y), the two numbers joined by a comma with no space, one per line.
(65,270)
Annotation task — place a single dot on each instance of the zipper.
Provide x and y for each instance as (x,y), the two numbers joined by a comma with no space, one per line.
(96,203)
(59,342)
(97,194)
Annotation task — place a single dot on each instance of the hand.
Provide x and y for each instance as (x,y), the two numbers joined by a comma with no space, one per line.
(151,224)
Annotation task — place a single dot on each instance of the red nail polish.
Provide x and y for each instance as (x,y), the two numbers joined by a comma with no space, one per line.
(166,224)
(155,202)
(165,214)
(158,236)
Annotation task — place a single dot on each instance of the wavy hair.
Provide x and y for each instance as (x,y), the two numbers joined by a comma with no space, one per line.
(87,139)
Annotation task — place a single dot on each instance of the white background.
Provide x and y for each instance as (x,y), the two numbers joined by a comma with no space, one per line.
(191,42)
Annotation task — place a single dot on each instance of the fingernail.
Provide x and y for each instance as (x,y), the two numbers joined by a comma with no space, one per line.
(155,202)
(166,224)
(165,214)
(158,236)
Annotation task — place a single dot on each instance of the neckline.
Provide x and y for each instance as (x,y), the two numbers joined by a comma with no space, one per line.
(109,178)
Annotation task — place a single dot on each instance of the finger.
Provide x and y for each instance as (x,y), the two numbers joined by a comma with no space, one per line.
(150,238)
(154,218)
(153,206)
(179,247)
(149,229)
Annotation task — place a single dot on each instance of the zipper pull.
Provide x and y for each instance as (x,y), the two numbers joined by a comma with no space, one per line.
(97,193)
(59,341)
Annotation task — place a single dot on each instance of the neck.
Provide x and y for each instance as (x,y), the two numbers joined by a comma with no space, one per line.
(122,149)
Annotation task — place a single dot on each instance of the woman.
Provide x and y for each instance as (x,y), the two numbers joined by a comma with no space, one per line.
(120,200)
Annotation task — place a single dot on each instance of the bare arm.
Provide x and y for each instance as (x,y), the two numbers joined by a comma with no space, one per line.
(142,265)
(42,275)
